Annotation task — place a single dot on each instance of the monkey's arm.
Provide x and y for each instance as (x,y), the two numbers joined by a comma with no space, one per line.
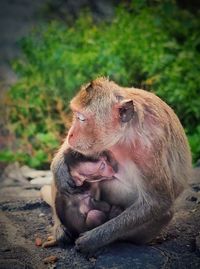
(126,225)
(63,180)
(60,233)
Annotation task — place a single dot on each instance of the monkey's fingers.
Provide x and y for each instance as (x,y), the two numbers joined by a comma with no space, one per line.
(50,237)
(69,188)
(50,243)
(63,179)
(86,244)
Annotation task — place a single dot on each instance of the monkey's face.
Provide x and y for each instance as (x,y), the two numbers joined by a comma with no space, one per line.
(92,171)
(100,117)
(83,133)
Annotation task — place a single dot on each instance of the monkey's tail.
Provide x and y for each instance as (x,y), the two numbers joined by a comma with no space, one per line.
(45,193)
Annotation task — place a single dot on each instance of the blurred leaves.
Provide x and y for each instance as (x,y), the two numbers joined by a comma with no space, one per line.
(150,44)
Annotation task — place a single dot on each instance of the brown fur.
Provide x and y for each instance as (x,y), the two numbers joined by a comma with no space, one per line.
(150,147)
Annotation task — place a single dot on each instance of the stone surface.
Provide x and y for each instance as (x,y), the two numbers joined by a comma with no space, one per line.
(40,181)
(21,175)
(15,182)
(31,173)
(25,218)
(37,177)
(13,173)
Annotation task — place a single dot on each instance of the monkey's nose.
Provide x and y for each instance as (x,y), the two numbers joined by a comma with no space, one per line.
(70,137)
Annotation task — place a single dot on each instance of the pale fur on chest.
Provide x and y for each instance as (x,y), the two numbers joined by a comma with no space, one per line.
(126,189)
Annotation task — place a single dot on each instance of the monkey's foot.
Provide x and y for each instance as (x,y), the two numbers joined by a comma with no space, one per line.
(62,235)
(87,243)
(51,242)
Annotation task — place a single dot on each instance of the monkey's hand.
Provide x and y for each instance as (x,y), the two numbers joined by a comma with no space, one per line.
(86,243)
(100,236)
(65,183)
(63,180)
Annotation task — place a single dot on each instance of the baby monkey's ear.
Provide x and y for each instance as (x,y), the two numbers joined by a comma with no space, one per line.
(126,110)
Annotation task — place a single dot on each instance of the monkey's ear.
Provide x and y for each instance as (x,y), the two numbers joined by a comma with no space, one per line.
(89,87)
(126,110)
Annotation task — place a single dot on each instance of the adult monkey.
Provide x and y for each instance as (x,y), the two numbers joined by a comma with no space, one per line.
(148,142)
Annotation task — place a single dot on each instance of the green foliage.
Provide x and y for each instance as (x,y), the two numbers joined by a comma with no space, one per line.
(194,143)
(156,47)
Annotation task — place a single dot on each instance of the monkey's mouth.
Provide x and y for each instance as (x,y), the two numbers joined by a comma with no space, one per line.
(85,148)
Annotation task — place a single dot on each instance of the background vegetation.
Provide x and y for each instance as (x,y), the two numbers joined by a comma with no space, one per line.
(153,46)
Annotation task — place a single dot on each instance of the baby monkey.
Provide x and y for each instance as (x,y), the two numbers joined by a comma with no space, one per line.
(83,211)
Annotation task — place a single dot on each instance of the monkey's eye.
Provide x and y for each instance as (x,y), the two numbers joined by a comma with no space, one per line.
(80,116)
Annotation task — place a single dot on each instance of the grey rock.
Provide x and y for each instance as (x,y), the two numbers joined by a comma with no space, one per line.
(13,174)
(31,173)
(16,183)
(42,180)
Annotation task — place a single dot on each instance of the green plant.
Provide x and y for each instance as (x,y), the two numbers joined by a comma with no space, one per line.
(153,46)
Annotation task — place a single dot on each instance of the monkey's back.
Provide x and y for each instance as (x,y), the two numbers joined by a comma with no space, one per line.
(168,137)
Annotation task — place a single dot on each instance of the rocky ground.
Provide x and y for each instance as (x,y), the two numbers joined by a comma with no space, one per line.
(25,219)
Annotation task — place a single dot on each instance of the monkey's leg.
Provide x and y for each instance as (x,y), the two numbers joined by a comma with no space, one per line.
(60,236)
(60,233)
(45,193)
(124,225)
(51,242)
(148,231)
